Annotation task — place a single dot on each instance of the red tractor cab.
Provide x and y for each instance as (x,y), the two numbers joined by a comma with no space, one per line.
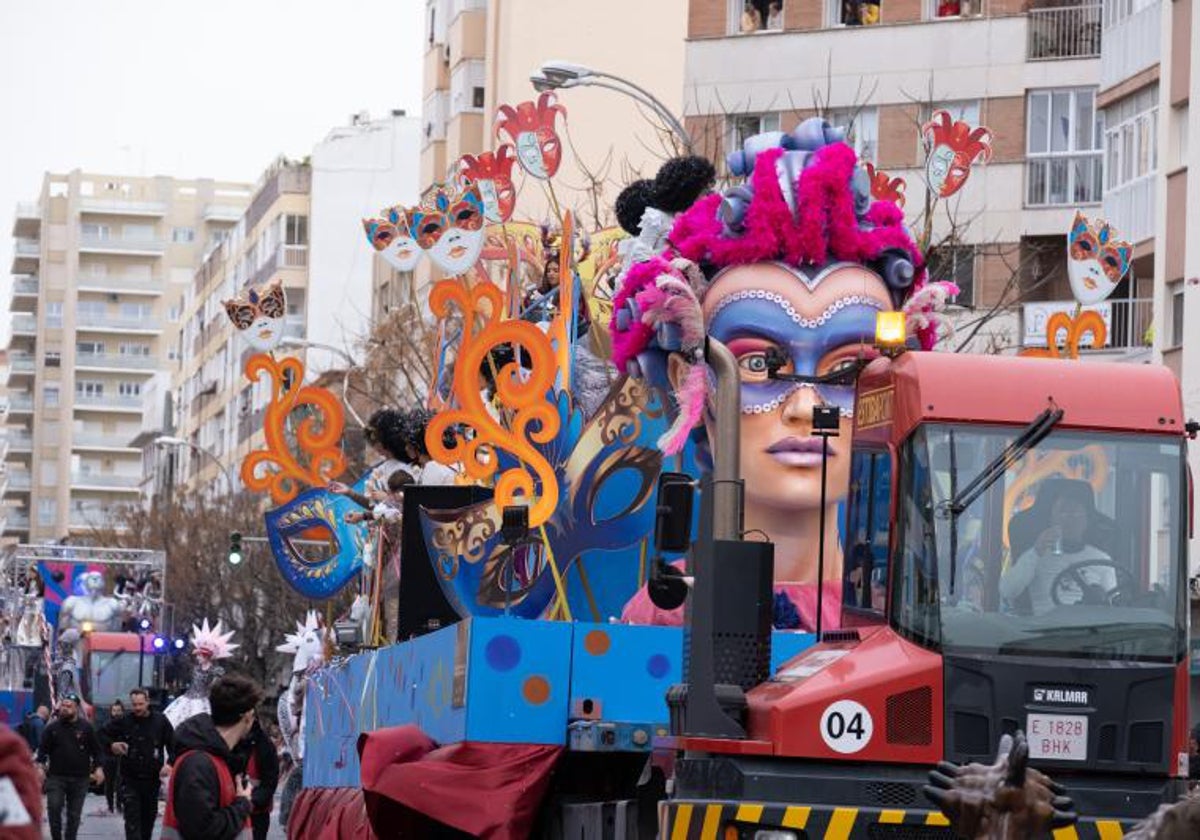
(1015,558)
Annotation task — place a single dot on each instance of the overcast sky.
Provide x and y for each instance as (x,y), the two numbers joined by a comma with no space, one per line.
(204,88)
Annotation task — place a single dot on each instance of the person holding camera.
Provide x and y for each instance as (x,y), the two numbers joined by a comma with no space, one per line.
(206,799)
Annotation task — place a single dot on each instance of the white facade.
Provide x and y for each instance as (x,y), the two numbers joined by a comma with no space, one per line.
(356,171)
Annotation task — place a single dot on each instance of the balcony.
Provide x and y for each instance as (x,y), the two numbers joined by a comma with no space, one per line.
(24,324)
(20,403)
(1064,180)
(120,207)
(15,520)
(26,254)
(98,322)
(90,243)
(1131,44)
(28,219)
(1064,32)
(108,402)
(105,481)
(1130,208)
(1127,321)
(21,363)
(222,212)
(18,440)
(18,480)
(99,440)
(116,361)
(95,519)
(25,285)
(121,284)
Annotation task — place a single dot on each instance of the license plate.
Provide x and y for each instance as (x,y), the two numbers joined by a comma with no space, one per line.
(1058,737)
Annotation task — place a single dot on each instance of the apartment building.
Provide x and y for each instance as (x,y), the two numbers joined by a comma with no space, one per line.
(100,265)
(1034,72)
(480,54)
(303,226)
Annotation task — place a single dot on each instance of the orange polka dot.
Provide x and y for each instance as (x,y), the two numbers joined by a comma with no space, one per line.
(536,690)
(597,642)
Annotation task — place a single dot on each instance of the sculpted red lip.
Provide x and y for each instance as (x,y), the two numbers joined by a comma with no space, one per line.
(796,444)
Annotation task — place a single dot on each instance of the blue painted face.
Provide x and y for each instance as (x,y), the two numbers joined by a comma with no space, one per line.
(752,322)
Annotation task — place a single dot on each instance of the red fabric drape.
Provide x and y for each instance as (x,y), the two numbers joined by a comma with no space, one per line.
(488,790)
(16,765)
(329,814)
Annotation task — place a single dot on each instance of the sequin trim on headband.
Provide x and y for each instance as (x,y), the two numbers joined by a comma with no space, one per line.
(783,303)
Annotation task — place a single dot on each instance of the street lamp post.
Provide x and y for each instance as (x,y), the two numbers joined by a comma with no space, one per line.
(351,365)
(555,75)
(165,441)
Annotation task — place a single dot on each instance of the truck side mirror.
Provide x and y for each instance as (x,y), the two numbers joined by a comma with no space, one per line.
(673,519)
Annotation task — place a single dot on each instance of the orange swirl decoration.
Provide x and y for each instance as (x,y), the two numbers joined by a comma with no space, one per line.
(1086,322)
(533,419)
(317,436)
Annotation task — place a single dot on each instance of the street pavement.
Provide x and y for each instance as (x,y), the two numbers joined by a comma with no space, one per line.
(98,824)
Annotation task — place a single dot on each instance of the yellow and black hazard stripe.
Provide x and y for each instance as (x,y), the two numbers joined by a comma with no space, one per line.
(680,820)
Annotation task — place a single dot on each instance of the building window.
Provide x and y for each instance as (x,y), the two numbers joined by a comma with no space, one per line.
(1063,159)
(183,234)
(1175,339)
(746,16)
(47,510)
(854,12)
(955,264)
(477,95)
(89,388)
(129,389)
(89,347)
(53,359)
(862,130)
(54,313)
(953,8)
(93,231)
(743,126)
(50,396)
(136,311)
(138,233)
(132,349)
(295,230)
(1116,11)
(1131,138)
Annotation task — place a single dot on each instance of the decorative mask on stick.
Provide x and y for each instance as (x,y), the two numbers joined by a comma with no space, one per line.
(954,146)
(492,173)
(389,234)
(530,125)
(1097,259)
(258,315)
(449,227)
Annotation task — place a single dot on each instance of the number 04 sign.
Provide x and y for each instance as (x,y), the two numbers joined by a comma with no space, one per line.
(846,726)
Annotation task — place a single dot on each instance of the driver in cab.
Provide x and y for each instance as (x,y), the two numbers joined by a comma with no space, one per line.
(1056,550)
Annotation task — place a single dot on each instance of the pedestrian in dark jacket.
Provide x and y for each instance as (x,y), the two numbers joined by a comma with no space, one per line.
(144,741)
(33,726)
(68,754)
(206,800)
(112,761)
(256,756)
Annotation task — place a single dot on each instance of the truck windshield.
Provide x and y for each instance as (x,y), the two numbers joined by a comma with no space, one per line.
(111,674)
(1076,551)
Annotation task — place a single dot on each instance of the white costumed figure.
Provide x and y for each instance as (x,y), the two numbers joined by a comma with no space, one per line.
(308,646)
(102,612)
(208,645)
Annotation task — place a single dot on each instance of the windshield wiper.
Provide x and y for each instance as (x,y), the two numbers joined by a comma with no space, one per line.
(1033,434)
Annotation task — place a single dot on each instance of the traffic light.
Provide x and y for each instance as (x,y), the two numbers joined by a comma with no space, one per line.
(235,548)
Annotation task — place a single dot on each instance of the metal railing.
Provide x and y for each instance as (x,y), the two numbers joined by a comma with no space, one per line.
(293,256)
(28,210)
(97,519)
(91,242)
(95,320)
(122,361)
(223,212)
(1064,32)
(21,363)
(106,480)
(108,401)
(19,481)
(1127,322)
(15,521)
(1129,207)
(25,284)
(24,247)
(121,207)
